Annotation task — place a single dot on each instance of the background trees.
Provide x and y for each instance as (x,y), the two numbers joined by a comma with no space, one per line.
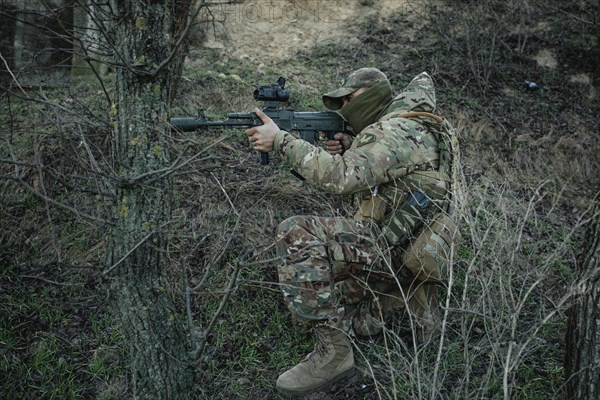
(145,44)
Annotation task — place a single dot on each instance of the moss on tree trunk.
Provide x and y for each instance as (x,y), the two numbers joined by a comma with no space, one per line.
(159,352)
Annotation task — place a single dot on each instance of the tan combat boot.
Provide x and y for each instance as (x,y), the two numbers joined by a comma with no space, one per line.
(330,362)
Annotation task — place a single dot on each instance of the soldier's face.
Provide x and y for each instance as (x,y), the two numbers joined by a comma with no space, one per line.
(347,99)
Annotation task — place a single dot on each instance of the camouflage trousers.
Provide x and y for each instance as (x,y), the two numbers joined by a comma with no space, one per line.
(330,267)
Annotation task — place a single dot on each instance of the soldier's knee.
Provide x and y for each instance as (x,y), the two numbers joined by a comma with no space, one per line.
(307,310)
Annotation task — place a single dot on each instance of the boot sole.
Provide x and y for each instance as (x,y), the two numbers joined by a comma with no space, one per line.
(346,375)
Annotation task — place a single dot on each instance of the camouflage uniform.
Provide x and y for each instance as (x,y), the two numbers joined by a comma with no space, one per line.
(334,270)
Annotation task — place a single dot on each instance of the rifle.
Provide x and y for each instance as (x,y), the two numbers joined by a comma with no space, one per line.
(309,125)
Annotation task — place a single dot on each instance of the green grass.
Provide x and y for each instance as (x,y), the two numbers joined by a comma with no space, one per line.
(38,364)
(45,339)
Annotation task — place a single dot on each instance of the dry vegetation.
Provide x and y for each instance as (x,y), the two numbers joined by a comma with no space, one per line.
(529,176)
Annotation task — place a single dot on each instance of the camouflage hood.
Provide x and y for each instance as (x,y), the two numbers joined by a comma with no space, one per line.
(419,95)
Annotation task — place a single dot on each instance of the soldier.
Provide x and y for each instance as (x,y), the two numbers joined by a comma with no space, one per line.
(342,276)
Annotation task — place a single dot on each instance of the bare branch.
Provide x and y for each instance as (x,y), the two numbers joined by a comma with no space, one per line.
(230,289)
(57,203)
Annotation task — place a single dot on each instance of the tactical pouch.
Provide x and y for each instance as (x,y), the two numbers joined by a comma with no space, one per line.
(399,227)
(428,256)
(373,208)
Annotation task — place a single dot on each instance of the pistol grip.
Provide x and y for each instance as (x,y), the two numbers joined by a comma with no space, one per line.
(264,158)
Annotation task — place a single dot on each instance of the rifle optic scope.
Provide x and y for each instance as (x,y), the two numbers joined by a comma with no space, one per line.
(275,92)
(271,93)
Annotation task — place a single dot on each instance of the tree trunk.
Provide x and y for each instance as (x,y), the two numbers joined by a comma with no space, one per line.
(583,329)
(159,350)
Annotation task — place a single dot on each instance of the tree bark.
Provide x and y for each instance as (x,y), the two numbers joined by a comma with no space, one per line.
(583,326)
(145,36)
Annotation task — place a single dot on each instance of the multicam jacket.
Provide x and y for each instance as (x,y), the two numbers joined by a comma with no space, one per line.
(389,161)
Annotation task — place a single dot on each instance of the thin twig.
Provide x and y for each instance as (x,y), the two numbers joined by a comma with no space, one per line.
(217,314)
(59,204)
(172,168)
(226,195)
(7,67)
(216,260)
(49,281)
(115,265)
(188,294)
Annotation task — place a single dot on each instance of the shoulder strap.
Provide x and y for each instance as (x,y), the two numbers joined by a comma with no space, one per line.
(414,114)
(447,145)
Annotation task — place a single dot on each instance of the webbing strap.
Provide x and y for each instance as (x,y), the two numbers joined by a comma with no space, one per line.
(414,114)
(445,162)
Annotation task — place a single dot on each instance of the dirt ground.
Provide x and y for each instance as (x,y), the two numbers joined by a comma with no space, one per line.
(281,28)
(269,32)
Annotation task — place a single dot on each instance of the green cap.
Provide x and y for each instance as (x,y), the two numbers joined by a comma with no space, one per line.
(361,78)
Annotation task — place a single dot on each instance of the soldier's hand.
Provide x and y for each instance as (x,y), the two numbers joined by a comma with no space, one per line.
(262,137)
(339,143)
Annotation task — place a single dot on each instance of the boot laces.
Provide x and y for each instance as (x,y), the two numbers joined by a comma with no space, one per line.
(321,348)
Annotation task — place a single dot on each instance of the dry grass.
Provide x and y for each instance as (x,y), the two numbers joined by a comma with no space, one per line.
(505,299)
